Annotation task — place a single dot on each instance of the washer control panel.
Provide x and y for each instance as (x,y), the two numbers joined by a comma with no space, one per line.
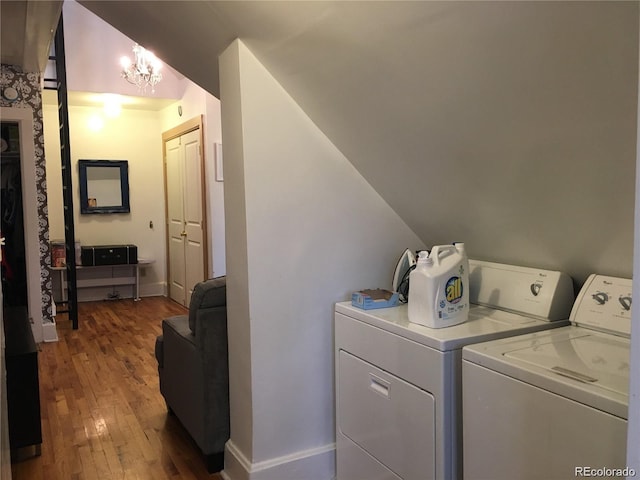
(604,303)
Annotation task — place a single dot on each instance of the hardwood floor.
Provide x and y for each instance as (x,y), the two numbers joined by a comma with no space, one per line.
(102,413)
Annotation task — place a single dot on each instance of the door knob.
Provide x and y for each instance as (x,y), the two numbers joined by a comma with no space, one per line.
(183,234)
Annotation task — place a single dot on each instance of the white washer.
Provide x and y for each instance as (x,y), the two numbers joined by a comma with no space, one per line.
(398,384)
(541,405)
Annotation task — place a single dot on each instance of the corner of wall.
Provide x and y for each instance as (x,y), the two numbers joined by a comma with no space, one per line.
(302,229)
(28,87)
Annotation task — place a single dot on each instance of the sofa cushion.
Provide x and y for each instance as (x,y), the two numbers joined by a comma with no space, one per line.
(210,293)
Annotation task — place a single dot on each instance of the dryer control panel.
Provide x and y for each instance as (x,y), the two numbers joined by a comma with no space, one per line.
(604,304)
(545,294)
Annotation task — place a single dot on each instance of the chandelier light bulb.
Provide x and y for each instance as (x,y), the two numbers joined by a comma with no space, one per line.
(144,71)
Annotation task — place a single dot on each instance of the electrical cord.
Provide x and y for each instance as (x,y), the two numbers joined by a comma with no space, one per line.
(403,287)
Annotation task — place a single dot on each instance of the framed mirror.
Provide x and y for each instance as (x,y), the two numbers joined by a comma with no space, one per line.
(104,186)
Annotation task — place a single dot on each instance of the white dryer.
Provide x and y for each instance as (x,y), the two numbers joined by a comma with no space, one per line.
(542,405)
(398,384)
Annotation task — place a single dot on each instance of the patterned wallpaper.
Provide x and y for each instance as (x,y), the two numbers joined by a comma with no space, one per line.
(29,96)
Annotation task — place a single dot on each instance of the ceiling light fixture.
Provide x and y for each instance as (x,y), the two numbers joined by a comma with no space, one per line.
(112,105)
(144,71)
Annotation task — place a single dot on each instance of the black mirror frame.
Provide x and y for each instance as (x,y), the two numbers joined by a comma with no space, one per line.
(123,165)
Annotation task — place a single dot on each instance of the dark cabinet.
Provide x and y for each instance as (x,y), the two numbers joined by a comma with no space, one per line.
(23,388)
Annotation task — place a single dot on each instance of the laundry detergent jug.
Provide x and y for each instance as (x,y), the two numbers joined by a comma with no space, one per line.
(439,287)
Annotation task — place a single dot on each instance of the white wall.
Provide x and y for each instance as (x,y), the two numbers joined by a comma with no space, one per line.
(194,103)
(215,188)
(93,50)
(134,136)
(304,230)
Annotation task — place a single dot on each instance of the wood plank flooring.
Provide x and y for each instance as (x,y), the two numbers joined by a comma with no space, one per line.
(102,413)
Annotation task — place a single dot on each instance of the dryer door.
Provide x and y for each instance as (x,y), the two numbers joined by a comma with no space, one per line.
(387,417)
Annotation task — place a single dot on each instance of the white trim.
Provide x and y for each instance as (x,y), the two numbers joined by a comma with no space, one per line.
(313,464)
(49,332)
(156,289)
(24,117)
(217,149)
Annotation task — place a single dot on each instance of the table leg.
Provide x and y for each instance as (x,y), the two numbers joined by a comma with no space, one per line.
(137,292)
(63,291)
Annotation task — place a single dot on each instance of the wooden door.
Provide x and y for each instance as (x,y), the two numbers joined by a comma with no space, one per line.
(175,221)
(193,211)
(186,228)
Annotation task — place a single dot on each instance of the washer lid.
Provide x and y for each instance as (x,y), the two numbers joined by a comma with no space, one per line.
(601,361)
(587,366)
(604,304)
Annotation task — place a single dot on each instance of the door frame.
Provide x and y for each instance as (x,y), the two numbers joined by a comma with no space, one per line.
(189,126)
(24,118)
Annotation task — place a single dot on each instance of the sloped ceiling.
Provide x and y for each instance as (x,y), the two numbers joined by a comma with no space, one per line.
(508,125)
(26,32)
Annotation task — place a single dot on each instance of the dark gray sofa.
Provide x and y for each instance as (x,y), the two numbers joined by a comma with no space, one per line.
(194,371)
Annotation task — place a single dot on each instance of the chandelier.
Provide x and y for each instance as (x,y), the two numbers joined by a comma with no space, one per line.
(144,71)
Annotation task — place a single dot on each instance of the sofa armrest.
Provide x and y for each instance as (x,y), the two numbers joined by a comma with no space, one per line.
(183,372)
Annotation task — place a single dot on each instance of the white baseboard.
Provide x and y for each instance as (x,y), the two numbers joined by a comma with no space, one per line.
(314,464)
(92,294)
(153,289)
(49,332)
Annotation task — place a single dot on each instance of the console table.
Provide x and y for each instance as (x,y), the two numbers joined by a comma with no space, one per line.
(105,276)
